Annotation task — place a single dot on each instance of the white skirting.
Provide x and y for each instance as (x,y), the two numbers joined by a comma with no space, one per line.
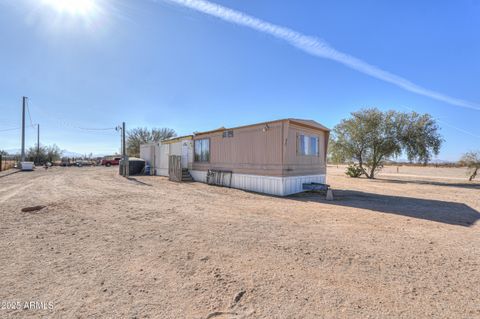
(162,171)
(280,186)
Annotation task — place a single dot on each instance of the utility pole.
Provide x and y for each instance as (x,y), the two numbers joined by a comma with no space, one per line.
(38,142)
(24,100)
(124,153)
(124,171)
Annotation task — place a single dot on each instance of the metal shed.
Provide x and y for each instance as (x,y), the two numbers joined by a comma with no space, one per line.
(157,154)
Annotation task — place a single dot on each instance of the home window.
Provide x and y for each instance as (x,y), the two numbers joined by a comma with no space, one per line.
(307,145)
(202,150)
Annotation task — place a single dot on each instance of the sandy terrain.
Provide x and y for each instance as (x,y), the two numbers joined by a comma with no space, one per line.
(108,247)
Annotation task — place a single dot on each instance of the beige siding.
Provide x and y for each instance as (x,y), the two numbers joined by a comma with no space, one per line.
(295,164)
(249,151)
(271,152)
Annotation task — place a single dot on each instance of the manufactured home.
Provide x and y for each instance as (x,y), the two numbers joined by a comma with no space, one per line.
(275,157)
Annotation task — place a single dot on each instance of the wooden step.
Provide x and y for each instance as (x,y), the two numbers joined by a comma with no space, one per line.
(186,177)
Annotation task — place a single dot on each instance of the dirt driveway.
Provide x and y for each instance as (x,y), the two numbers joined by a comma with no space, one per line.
(108,247)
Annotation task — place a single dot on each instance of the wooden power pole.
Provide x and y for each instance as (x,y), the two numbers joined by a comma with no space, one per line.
(24,100)
(38,142)
(124,152)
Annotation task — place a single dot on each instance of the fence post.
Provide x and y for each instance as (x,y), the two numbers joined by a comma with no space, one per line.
(1,164)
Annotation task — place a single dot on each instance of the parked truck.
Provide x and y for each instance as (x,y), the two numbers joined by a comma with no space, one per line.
(109,161)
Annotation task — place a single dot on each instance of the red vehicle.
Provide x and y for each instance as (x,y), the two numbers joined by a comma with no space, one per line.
(111,161)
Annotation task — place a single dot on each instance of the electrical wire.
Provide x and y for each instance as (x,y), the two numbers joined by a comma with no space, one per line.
(96,129)
(10,129)
(458,129)
(447,124)
(65,123)
(29,115)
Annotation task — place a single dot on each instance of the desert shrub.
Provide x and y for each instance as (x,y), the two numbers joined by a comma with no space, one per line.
(354,171)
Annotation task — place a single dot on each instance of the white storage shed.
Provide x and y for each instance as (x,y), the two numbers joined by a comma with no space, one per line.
(157,154)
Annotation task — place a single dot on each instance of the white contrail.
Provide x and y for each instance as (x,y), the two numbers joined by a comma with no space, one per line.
(316,47)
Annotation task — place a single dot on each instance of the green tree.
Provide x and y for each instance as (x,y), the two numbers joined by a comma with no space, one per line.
(138,136)
(472,161)
(370,137)
(335,156)
(2,152)
(418,134)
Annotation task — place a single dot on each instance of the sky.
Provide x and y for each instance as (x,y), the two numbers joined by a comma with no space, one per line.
(192,66)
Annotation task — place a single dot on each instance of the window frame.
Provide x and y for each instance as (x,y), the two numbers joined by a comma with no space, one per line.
(195,149)
(309,137)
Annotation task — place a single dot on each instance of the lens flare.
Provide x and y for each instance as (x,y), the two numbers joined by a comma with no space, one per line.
(73,7)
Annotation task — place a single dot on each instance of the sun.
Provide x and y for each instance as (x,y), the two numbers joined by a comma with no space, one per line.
(73,7)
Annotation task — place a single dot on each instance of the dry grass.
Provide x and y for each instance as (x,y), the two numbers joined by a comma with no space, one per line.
(7,164)
(104,246)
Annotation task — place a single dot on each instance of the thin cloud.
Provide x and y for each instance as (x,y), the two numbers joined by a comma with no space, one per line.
(317,47)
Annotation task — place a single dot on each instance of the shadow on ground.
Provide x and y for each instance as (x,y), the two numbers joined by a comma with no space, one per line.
(8,172)
(435,183)
(435,210)
(133,179)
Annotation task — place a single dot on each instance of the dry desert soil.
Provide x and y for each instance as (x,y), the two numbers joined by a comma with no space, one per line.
(406,245)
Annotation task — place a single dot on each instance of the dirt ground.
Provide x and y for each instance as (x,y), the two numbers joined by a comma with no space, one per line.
(104,246)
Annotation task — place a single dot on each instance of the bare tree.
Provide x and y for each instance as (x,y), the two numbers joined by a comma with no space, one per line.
(138,136)
(472,161)
(49,153)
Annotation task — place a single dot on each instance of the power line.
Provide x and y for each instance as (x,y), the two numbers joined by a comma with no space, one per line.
(96,129)
(448,124)
(459,129)
(28,112)
(10,129)
(65,123)
(69,124)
